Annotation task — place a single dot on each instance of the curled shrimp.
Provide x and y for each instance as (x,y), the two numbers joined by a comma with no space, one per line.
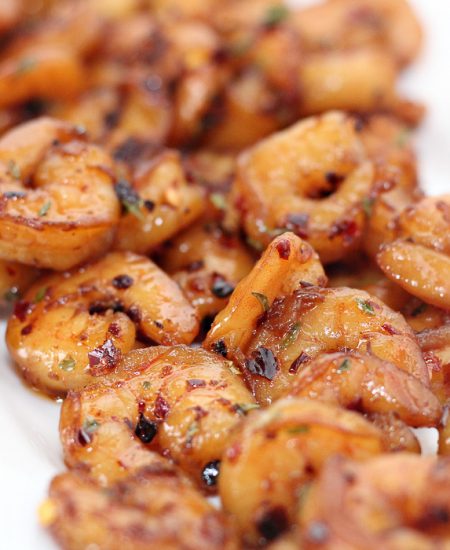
(207,263)
(277,451)
(71,327)
(419,259)
(392,501)
(15,279)
(180,401)
(69,212)
(312,179)
(349,24)
(160,204)
(156,507)
(364,382)
(287,263)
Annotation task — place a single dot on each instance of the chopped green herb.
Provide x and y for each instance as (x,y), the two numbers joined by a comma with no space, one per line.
(44,209)
(301,429)
(67,364)
(366,306)
(402,137)
(146,385)
(345,365)
(367,205)
(303,494)
(275,15)
(90,425)
(40,295)
(244,408)
(191,431)
(218,200)
(134,208)
(12,294)
(25,64)
(262,299)
(14,170)
(291,336)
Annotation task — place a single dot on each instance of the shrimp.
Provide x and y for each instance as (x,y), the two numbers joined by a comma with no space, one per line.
(419,259)
(391,502)
(207,263)
(352,24)
(15,279)
(277,451)
(69,214)
(287,263)
(160,204)
(312,179)
(397,435)
(364,382)
(156,507)
(180,401)
(73,327)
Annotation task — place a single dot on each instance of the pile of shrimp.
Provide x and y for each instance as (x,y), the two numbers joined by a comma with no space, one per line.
(215,252)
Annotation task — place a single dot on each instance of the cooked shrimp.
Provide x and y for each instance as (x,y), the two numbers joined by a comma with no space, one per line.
(15,279)
(392,502)
(277,451)
(155,507)
(397,435)
(69,213)
(419,260)
(352,24)
(71,327)
(207,263)
(287,263)
(160,204)
(364,382)
(312,179)
(178,400)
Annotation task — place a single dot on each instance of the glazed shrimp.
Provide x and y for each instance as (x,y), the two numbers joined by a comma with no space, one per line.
(71,327)
(287,263)
(419,259)
(352,24)
(15,279)
(154,508)
(207,263)
(390,502)
(312,179)
(160,203)
(277,451)
(352,380)
(69,212)
(180,401)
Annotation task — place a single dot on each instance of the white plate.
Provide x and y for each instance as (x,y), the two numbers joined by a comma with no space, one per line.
(30,453)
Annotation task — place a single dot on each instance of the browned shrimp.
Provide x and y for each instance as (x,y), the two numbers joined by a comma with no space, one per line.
(207,263)
(180,401)
(366,383)
(160,203)
(71,327)
(68,213)
(419,260)
(312,179)
(277,451)
(156,507)
(392,502)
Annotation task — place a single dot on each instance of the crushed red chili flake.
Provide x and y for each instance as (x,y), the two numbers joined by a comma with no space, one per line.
(104,359)
(348,229)
(390,329)
(22,309)
(302,358)
(114,329)
(26,329)
(284,249)
(298,223)
(161,407)
(263,363)
(195,383)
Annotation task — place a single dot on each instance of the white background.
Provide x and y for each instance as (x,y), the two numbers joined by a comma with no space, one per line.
(29,447)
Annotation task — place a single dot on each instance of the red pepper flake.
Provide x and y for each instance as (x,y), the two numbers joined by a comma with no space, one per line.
(263,363)
(22,309)
(103,359)
(284,249)
(302,358)
(390,329)
(161,407)
(26,329)
(348,229)
(298,223)
(195,383)
(114,329)
(141,407)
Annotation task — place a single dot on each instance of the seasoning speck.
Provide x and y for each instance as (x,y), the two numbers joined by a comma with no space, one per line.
(145,429)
